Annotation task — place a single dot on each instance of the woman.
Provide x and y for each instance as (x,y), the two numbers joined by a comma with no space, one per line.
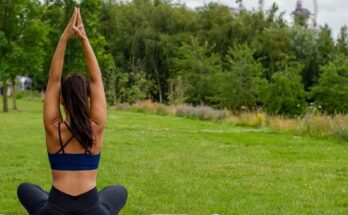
(74,145)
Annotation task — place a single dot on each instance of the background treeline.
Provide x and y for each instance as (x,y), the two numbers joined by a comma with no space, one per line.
(160,50)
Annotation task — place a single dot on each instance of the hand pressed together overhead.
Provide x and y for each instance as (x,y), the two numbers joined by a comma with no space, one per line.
(75,27)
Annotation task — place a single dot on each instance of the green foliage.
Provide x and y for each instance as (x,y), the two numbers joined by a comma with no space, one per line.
(342,41)
(28,94)
(177,91)
(286,95)
(303,44)
(241,84)
(22,39)
(213,56)
(331,93)
(197,64)
(272,44)
(109,82)
(132,87)
(326,45)
(302,20)
(218,26)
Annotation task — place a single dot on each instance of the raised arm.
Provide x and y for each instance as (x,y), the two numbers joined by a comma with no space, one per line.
(97,100)
(51,113)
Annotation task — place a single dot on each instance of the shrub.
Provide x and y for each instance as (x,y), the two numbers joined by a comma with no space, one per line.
(286,95)
(313,123)
(250,119)
(331,93)
(28,94)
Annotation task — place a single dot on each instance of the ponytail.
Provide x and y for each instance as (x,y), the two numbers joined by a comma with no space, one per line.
(75,92)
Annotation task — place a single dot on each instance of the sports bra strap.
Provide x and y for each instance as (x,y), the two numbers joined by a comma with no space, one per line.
(67,126)
(87,151)
(62,148)
(60,139)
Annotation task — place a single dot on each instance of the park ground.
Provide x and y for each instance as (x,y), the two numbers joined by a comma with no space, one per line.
(174,165)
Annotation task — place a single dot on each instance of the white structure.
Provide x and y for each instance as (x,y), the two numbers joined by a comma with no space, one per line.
(22,83)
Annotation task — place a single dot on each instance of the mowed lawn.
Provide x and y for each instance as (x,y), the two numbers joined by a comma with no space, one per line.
(174,165)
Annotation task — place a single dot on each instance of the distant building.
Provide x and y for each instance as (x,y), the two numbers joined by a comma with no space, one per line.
(22,83)
(301,11)
(301,14)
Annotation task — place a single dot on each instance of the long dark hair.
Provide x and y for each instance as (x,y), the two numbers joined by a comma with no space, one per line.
(75,93)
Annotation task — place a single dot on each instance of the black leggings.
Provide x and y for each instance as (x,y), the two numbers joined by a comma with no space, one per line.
(108,201)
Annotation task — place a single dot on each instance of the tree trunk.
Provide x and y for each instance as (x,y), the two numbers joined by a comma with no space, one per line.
(202,102)
(4,96)
(158,81)
(13,81)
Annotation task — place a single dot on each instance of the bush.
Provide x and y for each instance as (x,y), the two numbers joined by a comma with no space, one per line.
(331,93)
(28,94)
(313,123)
(249,119)
(286,95)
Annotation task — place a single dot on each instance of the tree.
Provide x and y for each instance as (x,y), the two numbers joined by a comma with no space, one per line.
(177,91)
(331,92)
(167,52)
(286,94)
(218,26)
(197,64)
(325,45)
(21,27)
(303,43)
(272,44)
(241,84)
(132,87)
(9,28)
(342,41)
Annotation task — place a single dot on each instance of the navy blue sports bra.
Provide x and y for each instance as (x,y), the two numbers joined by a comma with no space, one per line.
(72,162)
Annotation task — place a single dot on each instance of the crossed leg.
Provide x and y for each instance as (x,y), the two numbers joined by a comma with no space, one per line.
(32,196)
(113,198)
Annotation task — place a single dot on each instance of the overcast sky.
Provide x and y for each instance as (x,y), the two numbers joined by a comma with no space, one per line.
(332,12)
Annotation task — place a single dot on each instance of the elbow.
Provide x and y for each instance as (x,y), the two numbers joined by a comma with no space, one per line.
(100,123)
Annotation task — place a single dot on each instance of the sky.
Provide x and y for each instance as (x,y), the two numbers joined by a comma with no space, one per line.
(332,12)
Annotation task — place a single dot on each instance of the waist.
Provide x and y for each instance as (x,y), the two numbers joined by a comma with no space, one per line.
(74,182)
(62,197)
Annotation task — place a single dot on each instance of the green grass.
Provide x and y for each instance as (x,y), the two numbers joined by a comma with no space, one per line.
(176,165)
